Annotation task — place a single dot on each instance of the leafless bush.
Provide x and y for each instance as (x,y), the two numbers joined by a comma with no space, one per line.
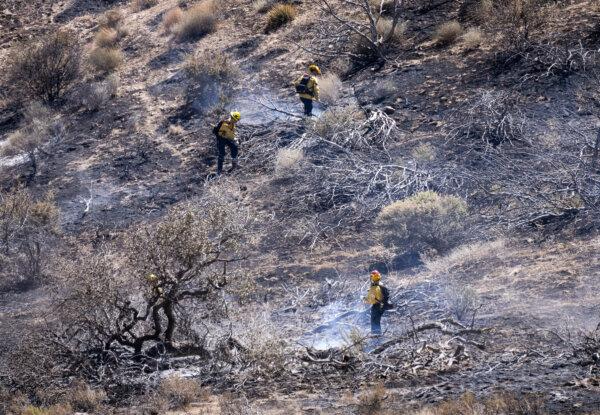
(179,392)
(339,122)
(280,15)
(95,96)
(353,29)
(40,128)
(330,88)
(26,228)
(198,21)
(106,60)
(172,18)
(447,33)
(463,301)
(425,220)
(493,118)
(46,68)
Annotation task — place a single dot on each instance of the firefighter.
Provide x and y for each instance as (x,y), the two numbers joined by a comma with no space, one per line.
(307,88)
(226,137)
(378,297)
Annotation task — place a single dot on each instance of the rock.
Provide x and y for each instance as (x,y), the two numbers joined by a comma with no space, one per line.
(389,110)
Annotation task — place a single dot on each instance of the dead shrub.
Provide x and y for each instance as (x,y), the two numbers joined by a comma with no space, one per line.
(447,33)
(95,96)
(39,128)
(45,68)
(472,39)
(179,392)
(106,60)
(462,301)
(139,5)
(172,18)
(370,402)
(58,409)
(111,19)
(280,15)
(211,79)
(198,21)
(27,227)
(287,160)
(499,403)
(330,88)
(106,37)
(425,220)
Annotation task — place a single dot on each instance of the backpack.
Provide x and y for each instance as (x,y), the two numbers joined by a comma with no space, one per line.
(302,87)
(217,128)
(385,292)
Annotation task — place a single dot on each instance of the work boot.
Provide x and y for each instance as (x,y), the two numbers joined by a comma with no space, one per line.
(233,166)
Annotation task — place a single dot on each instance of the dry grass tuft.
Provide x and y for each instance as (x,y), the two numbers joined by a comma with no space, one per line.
(210,65)
(338,119)
(330,88)
(106,60)
(85,399)
(280,15)
(198,21)
(139,5)
(371,401)
(106,38)
(500,403)
(111,19)
(179,392)
(288,159)
(172,18)
(424,153)
(466,254)
(262,6)
(59,409)
(448,33)
(472,39)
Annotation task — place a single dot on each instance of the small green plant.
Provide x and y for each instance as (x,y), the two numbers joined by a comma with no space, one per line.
(280,15)
(426,220)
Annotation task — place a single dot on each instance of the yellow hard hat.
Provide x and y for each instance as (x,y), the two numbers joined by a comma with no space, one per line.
(315,69)
(152,278)
(375,276)
(235,115)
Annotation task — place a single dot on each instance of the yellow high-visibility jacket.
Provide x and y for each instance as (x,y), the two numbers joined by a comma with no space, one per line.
(312,85)
(375,295)
(227,130)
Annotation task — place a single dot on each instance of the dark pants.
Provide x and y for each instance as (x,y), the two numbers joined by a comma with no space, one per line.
(233,148)
(376,313)
(308,106)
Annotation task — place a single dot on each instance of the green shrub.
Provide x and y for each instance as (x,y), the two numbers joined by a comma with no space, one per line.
(45,68)
(425,220)
(280,15)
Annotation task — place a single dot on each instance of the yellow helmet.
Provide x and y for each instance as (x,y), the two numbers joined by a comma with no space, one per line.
(314,69)
(152,278)
(235,115)
(375,276)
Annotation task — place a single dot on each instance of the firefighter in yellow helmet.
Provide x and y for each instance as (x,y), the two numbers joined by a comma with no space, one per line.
(378,297)
(226,137)
(307,88)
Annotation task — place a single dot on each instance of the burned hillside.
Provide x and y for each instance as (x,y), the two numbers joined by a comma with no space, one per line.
(430,164)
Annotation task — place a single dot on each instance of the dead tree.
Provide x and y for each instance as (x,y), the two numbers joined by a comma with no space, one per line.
(356,29)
